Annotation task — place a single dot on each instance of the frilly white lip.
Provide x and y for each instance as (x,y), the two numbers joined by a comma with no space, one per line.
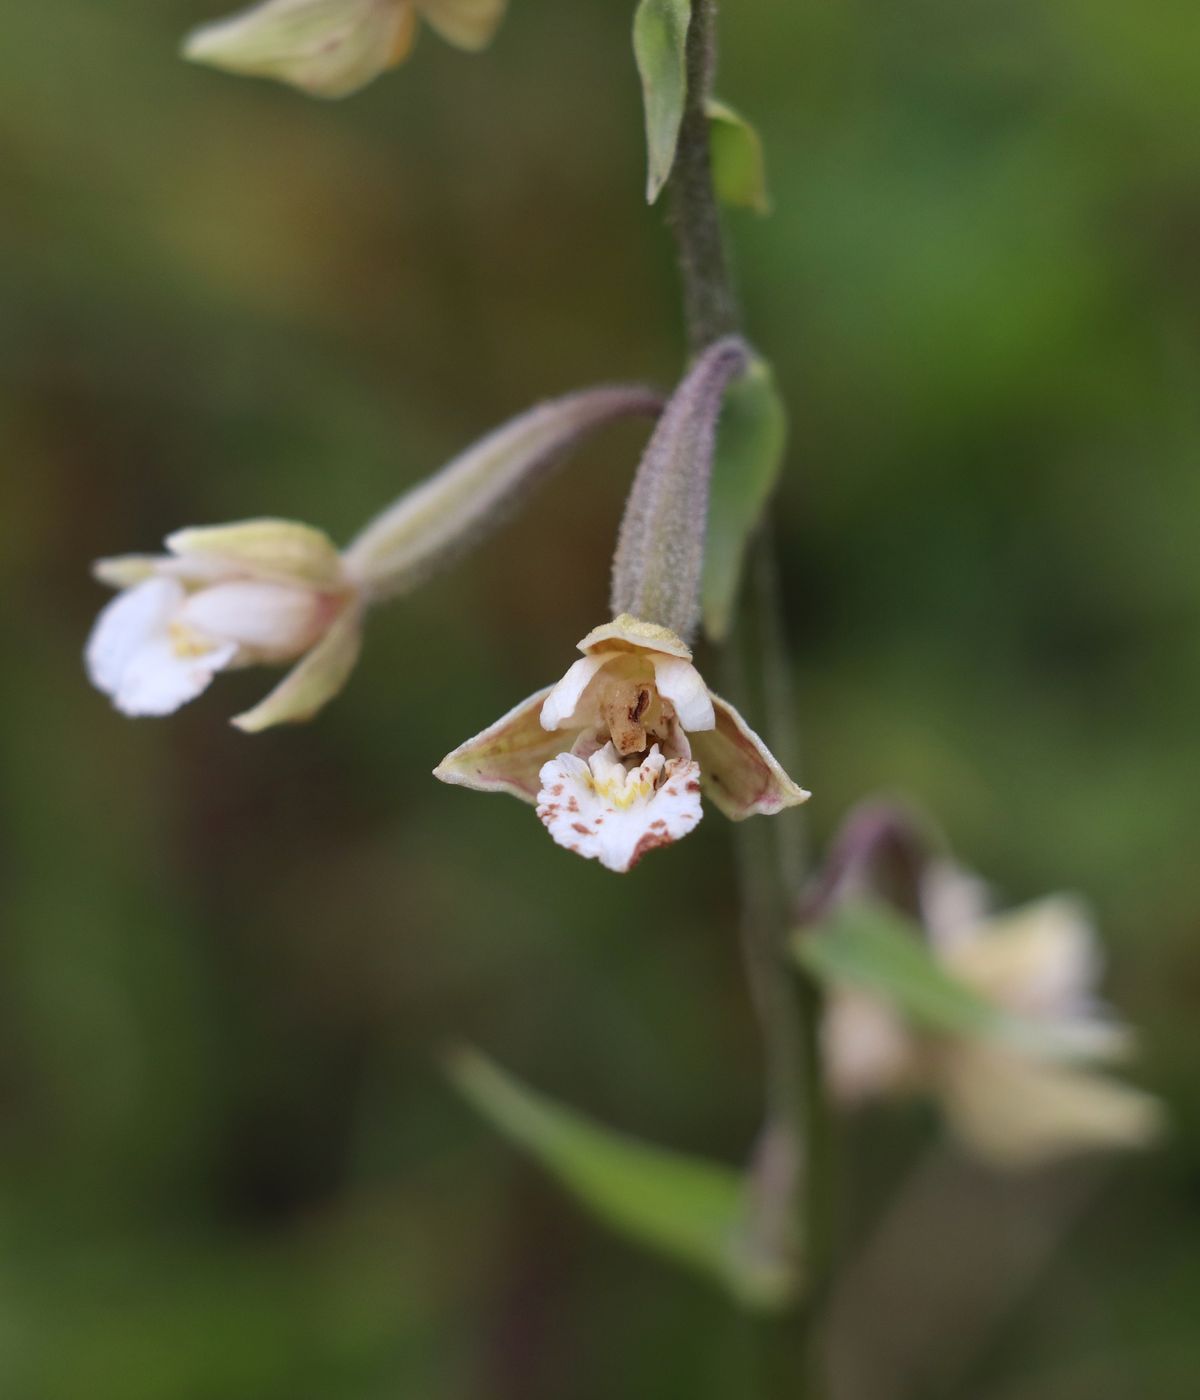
(632,716)
(603,810)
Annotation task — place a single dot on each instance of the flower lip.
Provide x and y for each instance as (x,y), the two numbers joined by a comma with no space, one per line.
(615,812)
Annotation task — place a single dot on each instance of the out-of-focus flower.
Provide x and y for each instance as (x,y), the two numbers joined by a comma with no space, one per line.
(257,592)
(1013,1103)
(616,754)
(331,48)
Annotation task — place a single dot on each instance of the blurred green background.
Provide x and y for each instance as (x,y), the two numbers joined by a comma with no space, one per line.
(229,1167)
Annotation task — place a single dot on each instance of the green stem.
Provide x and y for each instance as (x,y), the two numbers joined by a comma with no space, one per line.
(789,1196)
(709,302)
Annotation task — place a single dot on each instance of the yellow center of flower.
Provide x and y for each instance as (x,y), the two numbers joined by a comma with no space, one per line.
(186,641)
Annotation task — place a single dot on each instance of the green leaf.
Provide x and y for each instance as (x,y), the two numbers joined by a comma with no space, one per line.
(874,949)
(750,447)
(739,166)
(660,46)
(689,1209)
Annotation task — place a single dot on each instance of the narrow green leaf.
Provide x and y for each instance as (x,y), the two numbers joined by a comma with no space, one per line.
(874,949)
(750,446)
(660,46)
(739,166)
(689,1209)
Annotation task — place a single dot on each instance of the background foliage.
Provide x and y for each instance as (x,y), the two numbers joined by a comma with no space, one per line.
(228,1163)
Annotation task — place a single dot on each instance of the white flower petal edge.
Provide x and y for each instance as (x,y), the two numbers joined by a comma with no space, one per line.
(563,699)
(679,682)
(133,658)
(604,812)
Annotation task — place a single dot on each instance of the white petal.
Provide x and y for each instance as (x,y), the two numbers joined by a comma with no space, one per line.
(869,1051)
(563,699)
(158,679)
(679,682)
(1039,960)
(126,624)
(274,621)
(603,813)
(954,904)
(1016,1113)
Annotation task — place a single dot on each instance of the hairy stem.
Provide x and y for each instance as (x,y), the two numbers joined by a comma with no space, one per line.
(789,1204)
(709,302)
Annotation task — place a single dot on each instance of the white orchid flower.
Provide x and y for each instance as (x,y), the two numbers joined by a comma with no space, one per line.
(616,755)
(1012,1105)
(260,592)
(331,48)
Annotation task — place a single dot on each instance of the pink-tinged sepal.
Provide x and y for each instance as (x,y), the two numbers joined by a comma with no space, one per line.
(740,774)
(507,756)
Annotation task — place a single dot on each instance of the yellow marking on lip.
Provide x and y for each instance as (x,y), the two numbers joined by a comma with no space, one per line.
(187,643)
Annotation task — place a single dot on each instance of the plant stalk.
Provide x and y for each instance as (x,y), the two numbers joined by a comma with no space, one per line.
(789,1197)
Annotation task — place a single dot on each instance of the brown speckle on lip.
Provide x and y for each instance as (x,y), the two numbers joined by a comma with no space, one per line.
(659,825)
(648,843)
(573,803)
(580,828)
(693,786)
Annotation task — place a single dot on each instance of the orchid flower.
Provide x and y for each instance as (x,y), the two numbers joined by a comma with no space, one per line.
(258,592)
(331,48)
(1010,1105)
(616,754)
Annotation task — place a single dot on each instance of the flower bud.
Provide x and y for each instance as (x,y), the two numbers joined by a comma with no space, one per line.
(659,561)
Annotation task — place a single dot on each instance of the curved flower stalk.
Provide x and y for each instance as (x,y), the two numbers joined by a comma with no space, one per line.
(274,591)
(616,754)
(1013,1103)
(332,48)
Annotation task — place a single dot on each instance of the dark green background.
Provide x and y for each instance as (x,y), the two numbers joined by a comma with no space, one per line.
(229,1169)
